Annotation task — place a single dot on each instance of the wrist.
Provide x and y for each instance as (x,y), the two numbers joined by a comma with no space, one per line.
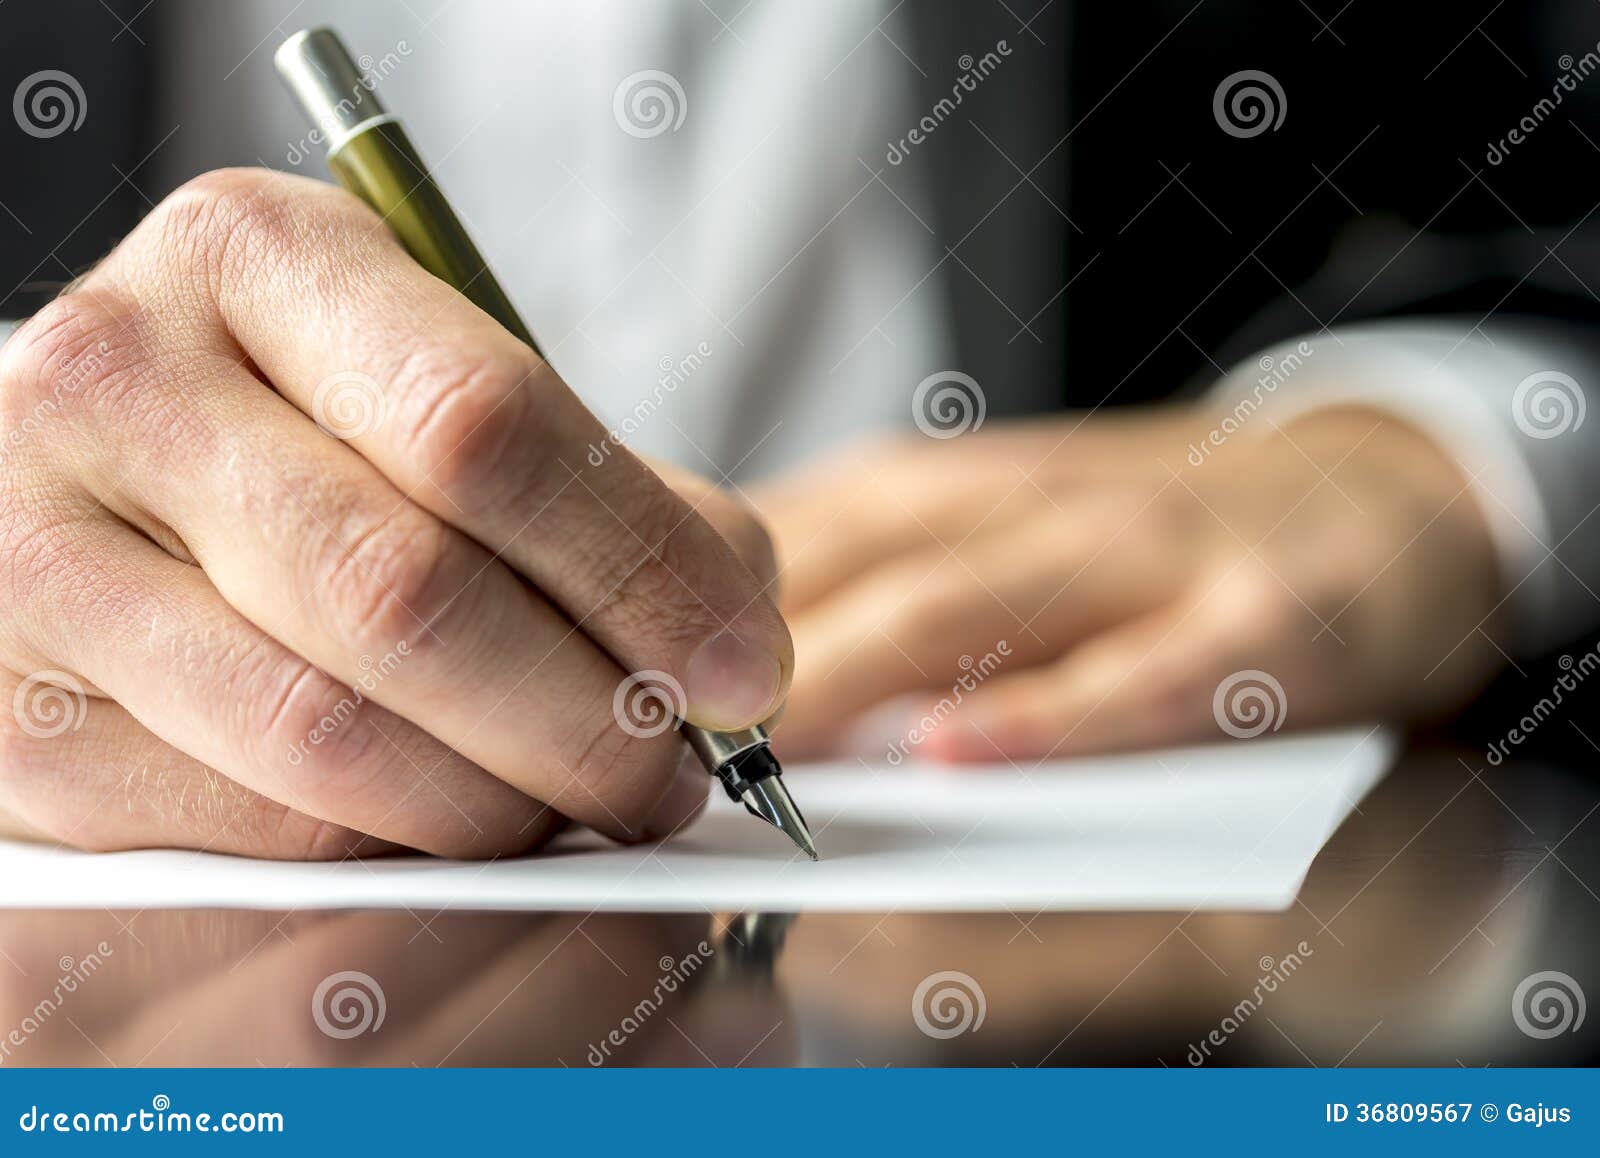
(1432,574)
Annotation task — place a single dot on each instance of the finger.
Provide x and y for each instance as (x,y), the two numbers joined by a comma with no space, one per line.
(161,961)
(1148,683)
(317,549)
(351,988)
(732,516)
(158,977)
(156,637)
(105,783)
(1016,598)
(870,503)
(866,506)
(681,801)
(473,426)
(592,970)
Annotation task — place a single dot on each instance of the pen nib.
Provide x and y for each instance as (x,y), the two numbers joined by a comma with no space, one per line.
(769,800)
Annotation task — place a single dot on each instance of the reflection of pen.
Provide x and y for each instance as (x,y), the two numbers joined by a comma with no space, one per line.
(371,156)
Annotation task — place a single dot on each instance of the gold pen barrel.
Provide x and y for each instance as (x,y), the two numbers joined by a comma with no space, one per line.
(371,155)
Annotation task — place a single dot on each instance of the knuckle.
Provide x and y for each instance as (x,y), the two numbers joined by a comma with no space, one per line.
(230,225)
(647,598)
(623,773)
(1085,522)
(291,835)
(56,824)
(65,358)
(462,419)
(1255,609)
(213,218)
(22,760)
(231,182)
(326,732)
(216,238)
(1117,509)
(37,559)
(30,775)
(646,567)
(926,604)
(644,598)
(393,579)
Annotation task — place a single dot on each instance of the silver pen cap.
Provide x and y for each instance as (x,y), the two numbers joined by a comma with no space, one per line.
(328,83)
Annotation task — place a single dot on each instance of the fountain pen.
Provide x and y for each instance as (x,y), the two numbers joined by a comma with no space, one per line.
(370,154)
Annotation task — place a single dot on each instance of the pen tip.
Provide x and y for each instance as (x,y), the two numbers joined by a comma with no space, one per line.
(769,800)
(801,835)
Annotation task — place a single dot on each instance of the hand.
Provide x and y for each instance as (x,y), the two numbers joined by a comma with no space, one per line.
(1072,585)
(226,628)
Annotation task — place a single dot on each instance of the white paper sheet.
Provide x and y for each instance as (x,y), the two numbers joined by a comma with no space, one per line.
(1229,826)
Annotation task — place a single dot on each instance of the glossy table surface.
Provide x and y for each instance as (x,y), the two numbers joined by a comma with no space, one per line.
(1451,886)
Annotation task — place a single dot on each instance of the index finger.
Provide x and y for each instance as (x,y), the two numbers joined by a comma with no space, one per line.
(473,426)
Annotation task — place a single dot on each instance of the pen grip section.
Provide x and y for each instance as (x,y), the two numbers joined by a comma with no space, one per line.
(748,768)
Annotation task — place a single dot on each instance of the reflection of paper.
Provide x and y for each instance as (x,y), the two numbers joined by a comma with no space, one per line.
(1230,826)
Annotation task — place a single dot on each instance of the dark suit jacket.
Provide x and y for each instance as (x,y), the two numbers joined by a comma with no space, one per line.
(1389,187)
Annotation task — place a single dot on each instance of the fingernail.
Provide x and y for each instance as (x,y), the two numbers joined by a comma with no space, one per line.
(732,682)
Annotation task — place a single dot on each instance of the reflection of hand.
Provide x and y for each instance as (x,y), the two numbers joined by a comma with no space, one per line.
(908,988)
(1341,554)
(366,630)
(239,988)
